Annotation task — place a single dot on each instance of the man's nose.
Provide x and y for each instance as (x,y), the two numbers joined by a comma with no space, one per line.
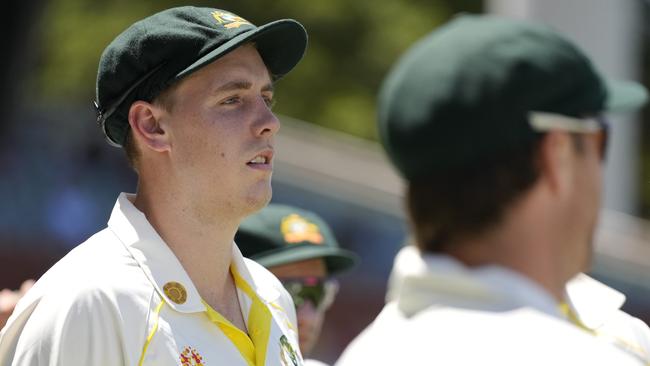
(267,124)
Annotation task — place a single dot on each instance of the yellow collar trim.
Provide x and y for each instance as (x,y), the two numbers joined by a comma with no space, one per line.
(621,343)
(259,318)
(572,317)
(252,348)
(154,329)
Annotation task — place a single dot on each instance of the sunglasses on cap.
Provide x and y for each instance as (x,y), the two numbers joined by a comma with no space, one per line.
(545,122)
(319,292)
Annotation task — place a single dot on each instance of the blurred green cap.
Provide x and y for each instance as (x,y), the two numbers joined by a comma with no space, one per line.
(281,234)
(463,93)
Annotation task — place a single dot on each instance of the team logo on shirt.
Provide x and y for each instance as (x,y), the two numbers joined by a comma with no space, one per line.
(191,357)
(175,292)
(229,20)
(297,229)
(288,355)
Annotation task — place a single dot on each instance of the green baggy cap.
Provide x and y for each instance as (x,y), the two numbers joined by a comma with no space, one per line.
(463,93)
(155,52)
(281,234)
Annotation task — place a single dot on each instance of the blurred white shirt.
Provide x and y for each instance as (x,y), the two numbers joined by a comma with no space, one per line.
(310,362)
(441,312)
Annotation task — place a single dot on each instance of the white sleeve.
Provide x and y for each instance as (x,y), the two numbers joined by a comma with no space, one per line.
(80,330)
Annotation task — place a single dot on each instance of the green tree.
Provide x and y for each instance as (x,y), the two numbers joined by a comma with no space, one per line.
(351,46)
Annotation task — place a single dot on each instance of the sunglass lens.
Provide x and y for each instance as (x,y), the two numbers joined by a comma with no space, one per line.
(300,292)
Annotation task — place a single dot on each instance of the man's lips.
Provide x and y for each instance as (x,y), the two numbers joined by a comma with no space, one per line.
(262,160)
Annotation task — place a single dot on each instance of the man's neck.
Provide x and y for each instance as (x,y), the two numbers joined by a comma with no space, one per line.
(203,249)
(525,242)
(538,270)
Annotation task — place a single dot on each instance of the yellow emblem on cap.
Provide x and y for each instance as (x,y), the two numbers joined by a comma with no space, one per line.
(297,229)
(229,20)
(175,292)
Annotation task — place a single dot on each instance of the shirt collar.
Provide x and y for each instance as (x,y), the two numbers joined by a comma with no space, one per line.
(442,280)
(159,263)
(154,257)
(263,289)
(592,301)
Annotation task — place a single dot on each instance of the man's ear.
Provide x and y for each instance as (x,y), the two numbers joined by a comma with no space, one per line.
(144,119)
(556,161)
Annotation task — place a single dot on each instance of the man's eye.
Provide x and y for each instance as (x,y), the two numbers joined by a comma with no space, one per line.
(270,102)
(231,100)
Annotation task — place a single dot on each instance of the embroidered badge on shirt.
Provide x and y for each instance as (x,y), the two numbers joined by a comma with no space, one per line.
(191,357)
(297,229)
(288,355)
(175,292)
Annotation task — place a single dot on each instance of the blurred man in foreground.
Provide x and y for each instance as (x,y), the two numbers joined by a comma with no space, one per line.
(299,248)
(497,126)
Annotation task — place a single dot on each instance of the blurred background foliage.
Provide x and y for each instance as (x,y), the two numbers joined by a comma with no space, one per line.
(352,45)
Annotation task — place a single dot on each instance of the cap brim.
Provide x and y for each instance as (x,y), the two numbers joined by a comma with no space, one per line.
(281,45)
(337,260)
(625,96)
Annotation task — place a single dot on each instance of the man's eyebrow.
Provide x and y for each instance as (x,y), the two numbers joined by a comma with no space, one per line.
(268,87)
(241,85)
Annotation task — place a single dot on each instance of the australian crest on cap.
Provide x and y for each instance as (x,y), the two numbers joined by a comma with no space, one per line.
(229,20)
(296,229)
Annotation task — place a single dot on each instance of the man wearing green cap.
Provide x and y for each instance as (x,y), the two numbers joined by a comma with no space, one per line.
(497,127)
(299,248)
(187,92)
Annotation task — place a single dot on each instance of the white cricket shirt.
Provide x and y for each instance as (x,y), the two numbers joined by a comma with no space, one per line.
(443,313)
(123,298)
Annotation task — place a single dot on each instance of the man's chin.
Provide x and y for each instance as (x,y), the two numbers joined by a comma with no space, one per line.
(259,200)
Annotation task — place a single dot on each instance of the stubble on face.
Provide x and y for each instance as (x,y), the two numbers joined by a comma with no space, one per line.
(221,121)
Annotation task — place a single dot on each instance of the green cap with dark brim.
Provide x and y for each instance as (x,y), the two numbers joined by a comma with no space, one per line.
(462,95)
(157,51)
(281,234)
(624,96)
